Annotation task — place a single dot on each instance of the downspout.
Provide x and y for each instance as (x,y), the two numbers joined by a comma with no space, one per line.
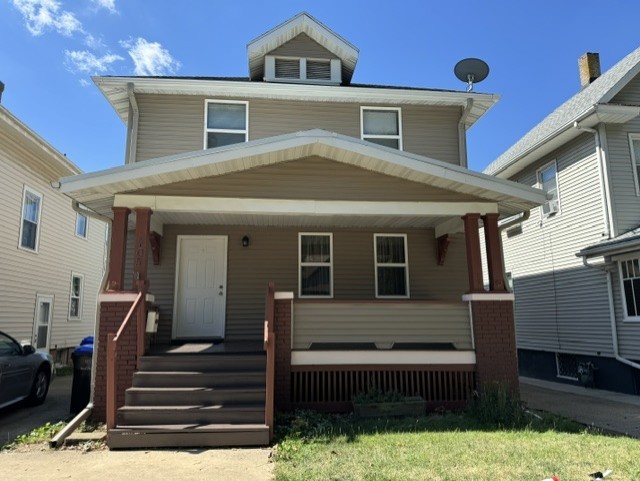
(132,126)
(604,181)
(462,133)
(612,316)
(58,439)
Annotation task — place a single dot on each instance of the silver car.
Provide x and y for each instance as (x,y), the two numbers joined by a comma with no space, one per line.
(24,372)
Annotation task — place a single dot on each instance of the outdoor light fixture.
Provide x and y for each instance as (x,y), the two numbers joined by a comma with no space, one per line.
(245,241)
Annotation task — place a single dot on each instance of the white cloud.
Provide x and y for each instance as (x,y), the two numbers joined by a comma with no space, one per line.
(106,4)
(43,15)
(86,62)
(94,43)
(150,58)
(84,82)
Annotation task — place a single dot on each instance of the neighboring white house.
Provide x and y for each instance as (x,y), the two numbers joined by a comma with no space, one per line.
(51,257)
(575,262)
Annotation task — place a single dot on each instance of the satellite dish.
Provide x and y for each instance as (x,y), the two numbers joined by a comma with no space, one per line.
(470,71)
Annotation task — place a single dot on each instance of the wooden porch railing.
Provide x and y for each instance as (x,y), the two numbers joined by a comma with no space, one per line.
(270,349)
(138,307)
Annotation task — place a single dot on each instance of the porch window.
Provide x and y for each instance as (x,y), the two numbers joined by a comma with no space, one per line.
(81,225)
(392,273)
(630,274)
(225,123)
(30,226)
(75,296)
(316,276)
(382,125)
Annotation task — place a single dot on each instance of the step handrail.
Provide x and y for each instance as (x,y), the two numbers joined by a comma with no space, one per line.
(270,349)
(112,357)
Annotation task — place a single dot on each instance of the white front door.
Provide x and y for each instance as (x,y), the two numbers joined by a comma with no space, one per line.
(201,287)
(42,322)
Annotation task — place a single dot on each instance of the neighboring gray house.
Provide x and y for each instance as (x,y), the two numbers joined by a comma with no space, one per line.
(575,262)
(51,257)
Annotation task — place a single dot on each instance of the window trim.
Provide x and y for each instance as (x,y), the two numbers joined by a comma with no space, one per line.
(80,297)
(86,226)
(41,198)
(225,131)
(400,132)
(634,136)
(623,300)
(539,185)
(405,265)
(324,264)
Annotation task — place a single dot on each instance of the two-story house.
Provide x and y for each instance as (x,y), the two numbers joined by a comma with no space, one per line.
(354,200)
(574,261)
(52,257)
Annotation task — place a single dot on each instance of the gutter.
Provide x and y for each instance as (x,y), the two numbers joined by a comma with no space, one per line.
(462,133)
(132,125)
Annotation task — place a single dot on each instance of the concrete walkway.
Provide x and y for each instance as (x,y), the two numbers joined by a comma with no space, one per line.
(610,411)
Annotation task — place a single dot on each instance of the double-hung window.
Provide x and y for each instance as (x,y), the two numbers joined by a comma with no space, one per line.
(81,225)
(391,266)
(382,125)
(75,296)
(634,146)
(30,225)
(630,277)
(226,123)
(548,181)
(316,261)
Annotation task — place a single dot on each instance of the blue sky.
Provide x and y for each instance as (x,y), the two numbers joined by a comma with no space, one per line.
(50,48)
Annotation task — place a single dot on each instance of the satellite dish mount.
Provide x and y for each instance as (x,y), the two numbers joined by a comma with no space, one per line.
(470,71)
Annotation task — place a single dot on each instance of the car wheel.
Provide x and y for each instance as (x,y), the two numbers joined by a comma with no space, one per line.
(39,388)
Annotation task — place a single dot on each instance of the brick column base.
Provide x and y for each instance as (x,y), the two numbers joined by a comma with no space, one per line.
(282,328)
(495,341)
(111,316)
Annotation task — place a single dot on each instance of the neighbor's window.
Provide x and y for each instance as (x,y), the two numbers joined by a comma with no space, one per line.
(382,126)
(30,227)
(316,278)
(392,273)
(634,146)
(225,123)
(630,273)
(81,225)
(548,181)
(75,296)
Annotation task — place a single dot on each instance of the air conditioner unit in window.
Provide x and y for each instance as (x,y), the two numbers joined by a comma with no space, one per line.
(550,207)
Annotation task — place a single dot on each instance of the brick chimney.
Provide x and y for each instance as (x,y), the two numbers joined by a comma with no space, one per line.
(589,65)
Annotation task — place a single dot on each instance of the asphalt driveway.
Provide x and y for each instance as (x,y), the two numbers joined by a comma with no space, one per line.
(20,419)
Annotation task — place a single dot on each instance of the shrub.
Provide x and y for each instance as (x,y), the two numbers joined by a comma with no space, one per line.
(495,406)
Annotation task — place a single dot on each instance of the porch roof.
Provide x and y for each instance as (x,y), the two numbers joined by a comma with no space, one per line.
(97,190)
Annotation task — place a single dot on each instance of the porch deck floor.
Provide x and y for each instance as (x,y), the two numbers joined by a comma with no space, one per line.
(227,347)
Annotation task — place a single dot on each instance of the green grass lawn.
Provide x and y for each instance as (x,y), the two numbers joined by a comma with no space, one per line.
(447,447)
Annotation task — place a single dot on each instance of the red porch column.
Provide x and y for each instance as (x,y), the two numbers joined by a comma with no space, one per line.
(141,252)
(118,252)
(474,261)
(494,253)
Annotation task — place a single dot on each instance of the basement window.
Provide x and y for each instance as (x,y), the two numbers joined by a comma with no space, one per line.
(567,366)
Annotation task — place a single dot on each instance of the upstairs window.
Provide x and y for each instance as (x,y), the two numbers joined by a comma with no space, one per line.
(548,181)
(226,123)
(81,225)
(382,125)
(630,274)
(316,278)
(30,226)
(392,273)
(634,146)
(75,296)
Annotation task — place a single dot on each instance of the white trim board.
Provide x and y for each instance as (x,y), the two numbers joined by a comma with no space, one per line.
(302,358)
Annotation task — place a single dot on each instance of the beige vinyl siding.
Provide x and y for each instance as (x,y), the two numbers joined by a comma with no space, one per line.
(310,178)
(171,124)
(561,305)
(25,274)
(381,322)
(273,256)
(302,46)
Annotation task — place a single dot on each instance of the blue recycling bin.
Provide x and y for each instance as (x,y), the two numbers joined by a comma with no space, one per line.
(82,358)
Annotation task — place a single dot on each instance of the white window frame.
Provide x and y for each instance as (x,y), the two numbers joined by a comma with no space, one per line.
(86,226)
(225,131)
(399,136)
(312,264)
(634,137)
(335,66)
(29,190)
(80,297)
(539,185)
(405,264)
(623,299)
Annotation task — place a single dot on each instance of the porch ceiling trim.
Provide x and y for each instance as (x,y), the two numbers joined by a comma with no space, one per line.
(231,205)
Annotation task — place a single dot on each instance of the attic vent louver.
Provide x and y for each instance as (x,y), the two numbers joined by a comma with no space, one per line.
(287,68)
(318,70)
